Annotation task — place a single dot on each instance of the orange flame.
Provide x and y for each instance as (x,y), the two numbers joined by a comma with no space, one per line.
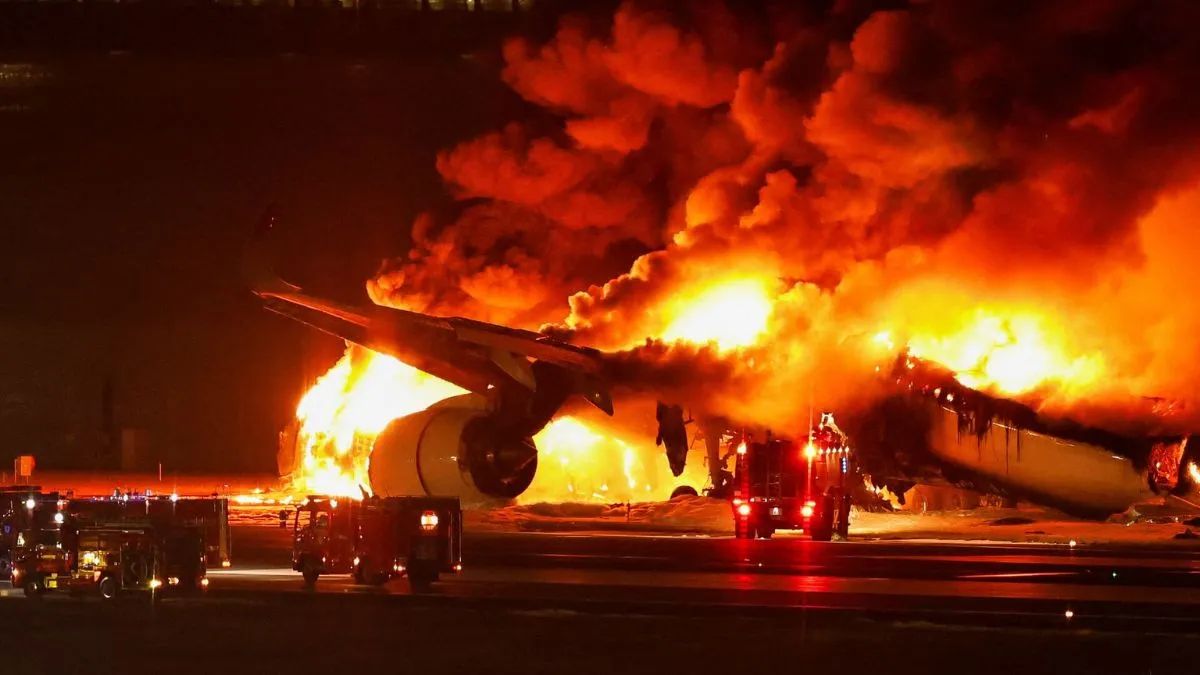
(578,462)
(364,391)
(729,314)
(344,411)
(1013,355)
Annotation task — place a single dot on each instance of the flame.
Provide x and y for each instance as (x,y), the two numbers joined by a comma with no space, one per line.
(364,391)
(345,410)
(1194,472)
(730,314)
(580,462)
(1010,355)
(882,492)
(354,401)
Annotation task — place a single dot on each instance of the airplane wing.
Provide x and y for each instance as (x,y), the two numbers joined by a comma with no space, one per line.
(474,355)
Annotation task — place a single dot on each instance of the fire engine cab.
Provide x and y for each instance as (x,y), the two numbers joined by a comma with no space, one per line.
(377,539)
(782,484)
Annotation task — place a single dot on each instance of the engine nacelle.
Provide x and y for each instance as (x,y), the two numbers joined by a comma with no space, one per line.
(455,448)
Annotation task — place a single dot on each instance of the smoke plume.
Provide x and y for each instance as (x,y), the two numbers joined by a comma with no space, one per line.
(881,166)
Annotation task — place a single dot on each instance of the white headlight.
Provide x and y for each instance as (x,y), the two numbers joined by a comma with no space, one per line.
(58,518)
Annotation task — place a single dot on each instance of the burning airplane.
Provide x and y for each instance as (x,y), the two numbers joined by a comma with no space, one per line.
(473,445)
(733,206)
(472,433)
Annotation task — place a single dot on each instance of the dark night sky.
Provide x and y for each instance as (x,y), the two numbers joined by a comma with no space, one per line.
(128,184)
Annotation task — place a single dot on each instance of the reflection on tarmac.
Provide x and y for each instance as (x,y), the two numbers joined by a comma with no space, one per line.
(469,582)
(939,582)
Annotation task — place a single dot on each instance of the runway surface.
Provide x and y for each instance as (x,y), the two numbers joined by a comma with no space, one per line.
(582,603)
(1049,586)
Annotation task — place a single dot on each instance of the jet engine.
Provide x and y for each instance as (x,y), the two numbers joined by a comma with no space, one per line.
(455,448)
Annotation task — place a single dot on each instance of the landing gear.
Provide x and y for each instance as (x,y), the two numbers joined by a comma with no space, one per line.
(684,491)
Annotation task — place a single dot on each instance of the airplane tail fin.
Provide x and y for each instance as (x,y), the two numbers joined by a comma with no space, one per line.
(258,264)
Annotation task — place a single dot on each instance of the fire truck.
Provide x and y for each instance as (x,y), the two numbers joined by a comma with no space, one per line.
(378,539)
(13,499)
(782,484)
(162,512)
(112,560)
(108,547)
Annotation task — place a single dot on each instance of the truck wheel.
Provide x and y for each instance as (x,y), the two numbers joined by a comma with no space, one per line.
(823,528)
(33,587)
(310,573)
(108,588)
(360,576)
(765,531)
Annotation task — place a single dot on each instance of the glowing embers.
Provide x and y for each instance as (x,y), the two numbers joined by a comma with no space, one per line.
(730,314)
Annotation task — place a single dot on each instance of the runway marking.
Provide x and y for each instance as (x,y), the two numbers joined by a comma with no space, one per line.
(1017,575)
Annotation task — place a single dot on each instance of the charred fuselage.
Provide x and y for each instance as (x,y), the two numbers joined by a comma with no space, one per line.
(926,427)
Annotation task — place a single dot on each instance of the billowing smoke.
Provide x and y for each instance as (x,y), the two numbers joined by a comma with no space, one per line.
(880,166)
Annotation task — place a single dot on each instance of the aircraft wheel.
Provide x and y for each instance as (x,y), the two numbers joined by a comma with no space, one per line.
(684,491)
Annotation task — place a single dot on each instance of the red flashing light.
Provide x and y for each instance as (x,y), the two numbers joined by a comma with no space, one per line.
(429,521)
(744,510)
